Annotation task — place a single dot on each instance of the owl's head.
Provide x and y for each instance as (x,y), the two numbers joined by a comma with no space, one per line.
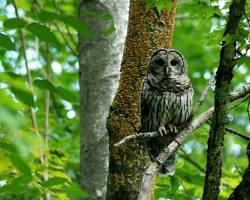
(167,63)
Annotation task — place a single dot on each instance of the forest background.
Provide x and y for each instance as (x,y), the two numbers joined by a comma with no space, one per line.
(40,96)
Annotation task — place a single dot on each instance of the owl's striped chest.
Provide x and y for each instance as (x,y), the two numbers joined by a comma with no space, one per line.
(162,108)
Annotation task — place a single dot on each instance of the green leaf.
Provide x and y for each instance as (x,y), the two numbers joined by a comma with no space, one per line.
(109,30)
(43,33)
(74,191)
(23,179)
(55,181)
(78,25)
(24,95)
(149,4)
(161,4)
(71,21)
(14,23)
(6,42)
(21,165)
(174,184)
(8,147)
(67,94)
(14,189)
(244,60)
(24,4)
(45,84)
(46,16)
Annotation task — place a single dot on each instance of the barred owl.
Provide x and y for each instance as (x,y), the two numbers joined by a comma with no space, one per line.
(166,101)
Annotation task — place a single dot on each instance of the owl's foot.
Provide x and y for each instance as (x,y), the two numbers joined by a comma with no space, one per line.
(172,128)
(162,130)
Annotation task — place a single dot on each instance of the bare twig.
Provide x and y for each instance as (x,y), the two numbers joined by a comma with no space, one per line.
(234,132)
(137,137)
(190,160)
(203,95)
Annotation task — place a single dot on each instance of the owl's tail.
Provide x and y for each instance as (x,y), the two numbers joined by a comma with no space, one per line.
(168,168)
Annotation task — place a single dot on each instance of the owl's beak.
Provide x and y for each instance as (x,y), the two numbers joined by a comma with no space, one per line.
(165,59)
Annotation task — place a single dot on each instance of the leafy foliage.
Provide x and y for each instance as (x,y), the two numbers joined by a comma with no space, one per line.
(50,39)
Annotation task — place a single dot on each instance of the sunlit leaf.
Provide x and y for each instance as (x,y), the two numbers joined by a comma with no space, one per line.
(24,4)
(6,42)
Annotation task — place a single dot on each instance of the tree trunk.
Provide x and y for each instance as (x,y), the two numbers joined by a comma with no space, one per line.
(100,59)
(147,31)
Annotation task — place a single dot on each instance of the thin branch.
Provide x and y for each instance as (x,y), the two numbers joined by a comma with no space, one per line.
(190,160)
(46,124)
(29,76)
(137,137)
(234,132)
(239,102)
(204,94)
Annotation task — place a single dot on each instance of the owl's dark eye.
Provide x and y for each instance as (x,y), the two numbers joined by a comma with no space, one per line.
(160,62)
(174,62)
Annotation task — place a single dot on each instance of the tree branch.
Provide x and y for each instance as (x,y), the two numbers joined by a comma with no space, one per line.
(234,132)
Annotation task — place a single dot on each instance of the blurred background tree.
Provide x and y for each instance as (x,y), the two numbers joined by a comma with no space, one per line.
(40,155)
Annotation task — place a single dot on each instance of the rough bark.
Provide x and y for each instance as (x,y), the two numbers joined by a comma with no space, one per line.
(242,191)
(100,60)
(224,76)
(145,33)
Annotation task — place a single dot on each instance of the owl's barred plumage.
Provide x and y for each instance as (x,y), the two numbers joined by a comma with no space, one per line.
(166,100)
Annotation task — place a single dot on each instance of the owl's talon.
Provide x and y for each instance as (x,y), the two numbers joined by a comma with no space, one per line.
(172,128)
(162,130)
